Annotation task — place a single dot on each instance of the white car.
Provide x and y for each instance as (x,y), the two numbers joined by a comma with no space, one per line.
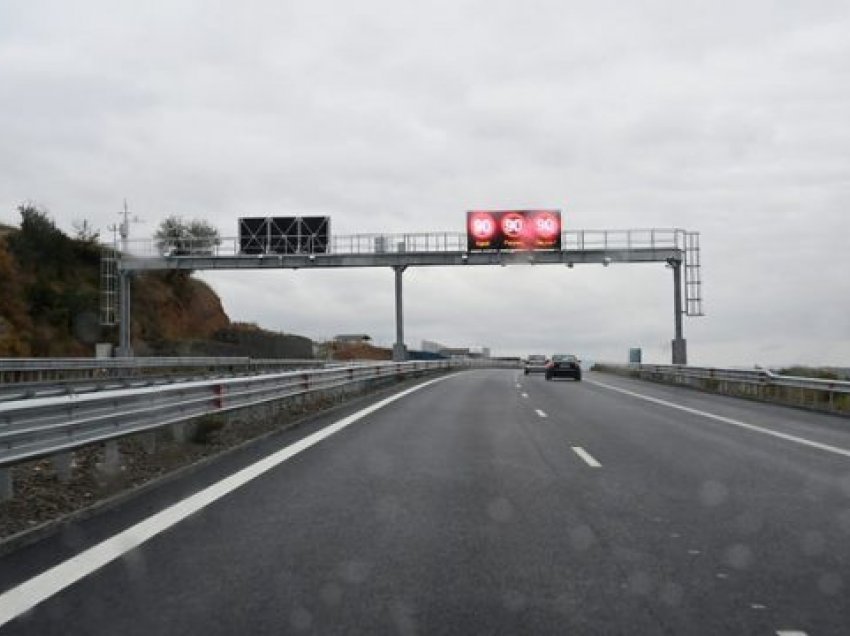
(535,364)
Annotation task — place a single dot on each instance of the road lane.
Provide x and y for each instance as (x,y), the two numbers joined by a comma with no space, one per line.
(23,597)
(460,510)
(767,517)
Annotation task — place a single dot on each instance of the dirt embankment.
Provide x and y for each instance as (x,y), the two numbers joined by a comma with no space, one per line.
(50,296)
(171,307)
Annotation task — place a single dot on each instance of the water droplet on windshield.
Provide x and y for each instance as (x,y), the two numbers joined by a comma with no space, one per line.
(355,571)
(749,522)
(514,601)
(830,584)
(813,543)
(301,620)
(672,594)
(844,520)
(331,594)
(581,538)
(640,583)
(713,493)
(379,463)
(844,484)
(500,510)
(738,556)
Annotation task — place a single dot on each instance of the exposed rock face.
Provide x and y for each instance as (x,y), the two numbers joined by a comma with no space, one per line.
(168,309)
(49,307)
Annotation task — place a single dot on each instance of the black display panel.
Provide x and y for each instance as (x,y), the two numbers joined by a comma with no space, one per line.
(315,233)
(253,235)
(284,235)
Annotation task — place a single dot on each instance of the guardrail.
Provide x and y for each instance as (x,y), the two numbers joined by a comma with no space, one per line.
(46,426)
(22,378)
(13,368)
(832,396)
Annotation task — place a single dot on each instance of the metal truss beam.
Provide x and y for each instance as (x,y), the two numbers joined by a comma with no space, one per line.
(398,252)
(399,259)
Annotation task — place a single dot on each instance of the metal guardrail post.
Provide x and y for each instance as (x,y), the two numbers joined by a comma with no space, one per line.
(148,441)
(111,463)
(63,464)
(7,491)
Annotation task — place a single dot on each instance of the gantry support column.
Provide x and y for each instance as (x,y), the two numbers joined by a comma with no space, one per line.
(399,350)
(680,345)
(125,348)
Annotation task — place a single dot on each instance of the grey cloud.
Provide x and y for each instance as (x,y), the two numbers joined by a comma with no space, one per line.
(727,118)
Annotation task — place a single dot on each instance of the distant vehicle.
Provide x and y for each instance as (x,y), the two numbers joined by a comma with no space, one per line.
(535,364)
(564,365)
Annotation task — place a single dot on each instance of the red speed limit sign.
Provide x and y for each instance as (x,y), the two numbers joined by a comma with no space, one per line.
(513,230)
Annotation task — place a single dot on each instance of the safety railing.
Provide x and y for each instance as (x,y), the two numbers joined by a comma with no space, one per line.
(823,395)
(47,426)
(38,377)
(412,242)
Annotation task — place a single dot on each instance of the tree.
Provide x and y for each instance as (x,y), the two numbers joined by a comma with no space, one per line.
(84,232)
(40,244)
(176,237)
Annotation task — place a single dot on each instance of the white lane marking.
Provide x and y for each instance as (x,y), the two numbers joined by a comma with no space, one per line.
(587,457)
(790,632)
(525,395)
(518,385)
(30,593)
(728,420)
(540,413)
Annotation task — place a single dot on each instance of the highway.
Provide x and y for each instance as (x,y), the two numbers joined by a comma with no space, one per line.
(485,502)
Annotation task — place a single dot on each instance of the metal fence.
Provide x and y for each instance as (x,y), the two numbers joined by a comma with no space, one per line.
(45,426)
(413,242)
(22,378)
(814,393)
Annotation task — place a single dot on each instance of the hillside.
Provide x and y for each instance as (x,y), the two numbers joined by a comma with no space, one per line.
(50,295)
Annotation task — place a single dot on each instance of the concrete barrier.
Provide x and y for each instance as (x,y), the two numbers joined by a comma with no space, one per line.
(759,384)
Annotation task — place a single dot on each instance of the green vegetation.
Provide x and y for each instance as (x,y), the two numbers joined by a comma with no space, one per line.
(50,298)
(810,372)
(49,289)
(181,238)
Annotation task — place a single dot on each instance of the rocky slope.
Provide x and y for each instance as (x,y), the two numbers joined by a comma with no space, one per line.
(50,299)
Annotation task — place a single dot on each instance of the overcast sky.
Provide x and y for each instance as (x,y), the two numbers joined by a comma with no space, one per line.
(730,118)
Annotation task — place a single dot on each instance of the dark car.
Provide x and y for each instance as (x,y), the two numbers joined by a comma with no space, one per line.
(563,366)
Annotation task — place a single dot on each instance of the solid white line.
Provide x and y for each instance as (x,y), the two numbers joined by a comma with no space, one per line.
(27,595)
(790,632)
(728,420)
(587,457)
(540,413)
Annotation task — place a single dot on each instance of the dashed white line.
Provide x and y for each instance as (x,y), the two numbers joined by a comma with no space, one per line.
(525,395)
(587,457)
(540,413)
(728,420)
(790,632)
(30,593)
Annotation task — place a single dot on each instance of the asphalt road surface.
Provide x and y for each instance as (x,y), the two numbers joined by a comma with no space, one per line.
(486,502)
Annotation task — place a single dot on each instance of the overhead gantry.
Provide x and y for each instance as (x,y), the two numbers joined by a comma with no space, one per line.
(678,249)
